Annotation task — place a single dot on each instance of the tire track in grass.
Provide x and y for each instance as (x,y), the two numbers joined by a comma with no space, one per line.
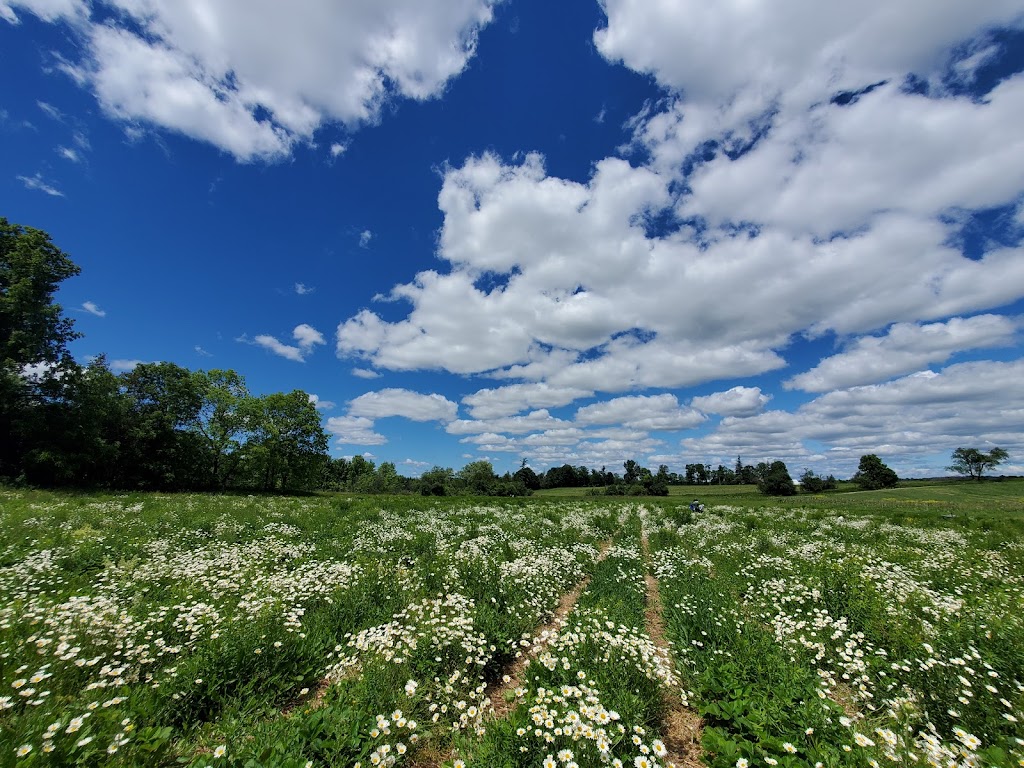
(502,692)
(500,695)
(682,727)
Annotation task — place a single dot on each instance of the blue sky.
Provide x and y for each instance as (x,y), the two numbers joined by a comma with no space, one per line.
(567,232)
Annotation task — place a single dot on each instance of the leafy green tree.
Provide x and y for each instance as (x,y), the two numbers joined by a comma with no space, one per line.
(160,450)
(437,481)
(697,474)
(34,334)
(873,474)
(288,445)
(78,437)
(478,477)
(221,421)
(810,482)
(777,481)
(974,463)
(527,477)
(388,479)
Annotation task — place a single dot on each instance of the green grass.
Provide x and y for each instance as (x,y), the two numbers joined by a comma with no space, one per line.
(151,629)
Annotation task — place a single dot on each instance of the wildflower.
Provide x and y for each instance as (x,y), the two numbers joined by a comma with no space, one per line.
(862,740)
(220,751)
(742,763)
(459,764)
(410,687)
(24,749)
(549,762)
(641,762)
(82,742)
(789,748)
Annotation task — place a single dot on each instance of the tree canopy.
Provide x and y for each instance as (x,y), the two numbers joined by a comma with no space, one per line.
(873,474)
(777,481)
(974,463)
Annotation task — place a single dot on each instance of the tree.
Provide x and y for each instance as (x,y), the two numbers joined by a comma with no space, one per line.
(222,419)
(873,475)
(777,481)
(436,481)
(77,438)
(974,463)
(160,449)
(34,333)
(478,476)
(527,477)
(814,483)
(287,443)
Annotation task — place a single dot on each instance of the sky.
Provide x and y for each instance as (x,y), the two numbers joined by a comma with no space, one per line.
(675,232)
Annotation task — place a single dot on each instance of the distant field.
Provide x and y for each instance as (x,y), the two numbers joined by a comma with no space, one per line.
(987,497)
(850,629)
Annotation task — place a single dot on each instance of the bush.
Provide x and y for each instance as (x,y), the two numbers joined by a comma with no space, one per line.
(777,481)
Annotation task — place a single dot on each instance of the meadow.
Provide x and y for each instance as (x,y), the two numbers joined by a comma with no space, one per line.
(858,629)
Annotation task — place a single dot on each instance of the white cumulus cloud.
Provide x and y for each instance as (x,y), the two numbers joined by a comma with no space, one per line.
(405,403)
(229,72)
(306,336)
(905,348)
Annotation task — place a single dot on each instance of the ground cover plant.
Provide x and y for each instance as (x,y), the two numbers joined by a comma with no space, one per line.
(342,630)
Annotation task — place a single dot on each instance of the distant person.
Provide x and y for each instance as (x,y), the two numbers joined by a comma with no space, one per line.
(696,506)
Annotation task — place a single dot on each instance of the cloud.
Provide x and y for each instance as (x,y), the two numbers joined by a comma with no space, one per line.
(364,373)
(734,60)
(905,348)
(47,10)
(530,422)
(655,412)
(307,337)
(738,401)
(354,430)
(914,416)
(202,352)
(123,366)
(405,403)
(512,399)
(324,405)
(338,149)
(875,155)
(302,289)
(93,309)
(205,71)
(37,182)
(364,238)
(69,154)
(51,111)
(357,426)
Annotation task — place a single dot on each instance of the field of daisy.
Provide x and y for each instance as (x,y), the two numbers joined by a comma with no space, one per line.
(200,630)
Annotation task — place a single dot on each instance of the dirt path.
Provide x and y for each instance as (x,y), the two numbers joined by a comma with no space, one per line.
(501,693)
(681,728)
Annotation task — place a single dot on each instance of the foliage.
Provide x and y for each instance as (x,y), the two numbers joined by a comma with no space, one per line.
(34,334)
(153,630)
(777,481)
(974,463)
(810,482)
(873,475)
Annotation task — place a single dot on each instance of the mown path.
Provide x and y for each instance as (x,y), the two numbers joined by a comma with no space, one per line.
(681,726)
(501,693)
